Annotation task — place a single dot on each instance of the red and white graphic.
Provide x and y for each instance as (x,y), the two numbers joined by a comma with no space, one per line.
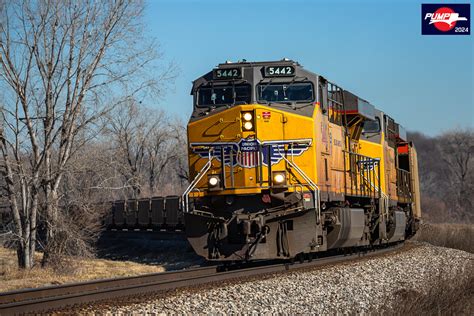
(248,159)
(266,115)
(444,19)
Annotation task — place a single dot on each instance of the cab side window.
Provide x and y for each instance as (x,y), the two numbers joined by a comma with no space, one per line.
(322,97)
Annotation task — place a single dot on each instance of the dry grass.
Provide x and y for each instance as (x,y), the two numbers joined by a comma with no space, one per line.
(12,278)
(458,236)
(441,298)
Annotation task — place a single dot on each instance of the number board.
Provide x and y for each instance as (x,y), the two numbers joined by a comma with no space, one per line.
(228,73)
(279,71)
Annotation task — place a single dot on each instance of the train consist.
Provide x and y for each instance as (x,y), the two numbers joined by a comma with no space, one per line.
(284,162)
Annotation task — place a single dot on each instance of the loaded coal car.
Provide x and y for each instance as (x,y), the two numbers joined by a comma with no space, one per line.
(284,163)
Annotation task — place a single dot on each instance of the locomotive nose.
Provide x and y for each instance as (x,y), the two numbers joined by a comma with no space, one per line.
(242,141)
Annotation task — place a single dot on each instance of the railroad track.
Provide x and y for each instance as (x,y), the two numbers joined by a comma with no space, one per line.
(64,296)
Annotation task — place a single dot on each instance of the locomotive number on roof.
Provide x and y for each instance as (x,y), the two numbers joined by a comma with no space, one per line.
(229,73)
(279,71)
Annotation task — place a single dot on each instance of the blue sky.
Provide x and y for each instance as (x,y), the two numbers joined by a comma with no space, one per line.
(372,48)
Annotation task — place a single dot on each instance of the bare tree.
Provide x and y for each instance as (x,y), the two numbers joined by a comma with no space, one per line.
(144,144)
(181,167)
(457,152)
(129,131)
(63,65)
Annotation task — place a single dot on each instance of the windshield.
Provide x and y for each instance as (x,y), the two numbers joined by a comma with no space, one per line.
(286,92)
(223,95)
(371,126)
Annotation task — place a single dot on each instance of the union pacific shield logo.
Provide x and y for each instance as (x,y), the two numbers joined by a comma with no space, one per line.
(248,153)
(248,156)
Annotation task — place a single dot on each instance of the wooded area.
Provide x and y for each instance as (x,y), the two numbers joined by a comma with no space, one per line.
(446,166)
(66,68)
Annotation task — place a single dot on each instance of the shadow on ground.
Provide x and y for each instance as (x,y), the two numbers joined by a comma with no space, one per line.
(170,250)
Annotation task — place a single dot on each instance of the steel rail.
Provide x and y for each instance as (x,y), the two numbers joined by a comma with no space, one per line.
(63,296)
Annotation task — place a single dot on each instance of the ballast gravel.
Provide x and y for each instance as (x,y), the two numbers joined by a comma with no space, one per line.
(366,285)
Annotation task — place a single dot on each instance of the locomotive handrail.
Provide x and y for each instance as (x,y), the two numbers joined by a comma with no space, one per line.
(403,183)
(385,205)
(192,185)
(310,182)
(375,187)
(385,198)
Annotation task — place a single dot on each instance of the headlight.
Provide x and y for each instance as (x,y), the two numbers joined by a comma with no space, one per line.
(247,121)
(279,177)
(247,116)
(248,126)
(213,181)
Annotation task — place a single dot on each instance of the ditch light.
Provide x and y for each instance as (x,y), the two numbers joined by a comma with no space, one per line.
(214,182)
(279,178)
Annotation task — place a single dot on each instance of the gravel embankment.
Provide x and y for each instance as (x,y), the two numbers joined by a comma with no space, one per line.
(365,285)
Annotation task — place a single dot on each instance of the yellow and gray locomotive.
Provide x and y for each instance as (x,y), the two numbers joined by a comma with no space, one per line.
(285,163)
